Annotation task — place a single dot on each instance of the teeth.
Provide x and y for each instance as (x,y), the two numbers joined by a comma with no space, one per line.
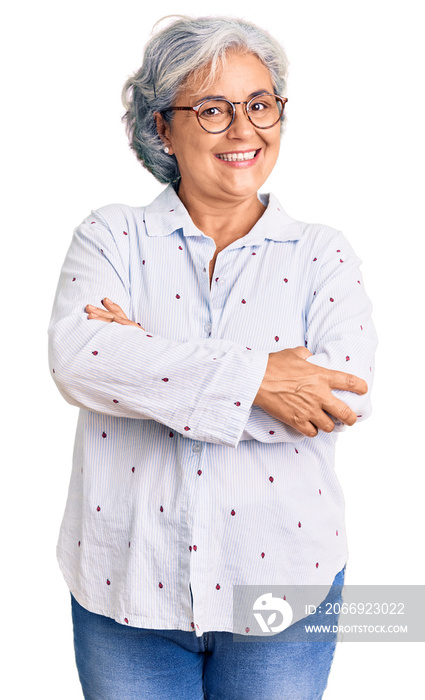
(236,156)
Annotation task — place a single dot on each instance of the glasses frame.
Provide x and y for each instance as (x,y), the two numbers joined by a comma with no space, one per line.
(196,108)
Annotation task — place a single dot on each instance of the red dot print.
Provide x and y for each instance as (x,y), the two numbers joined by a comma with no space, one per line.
(199,472)
(314,259)
(237,403)
(165,379)
(358,282)
(331,299)
(276,338)
(160,585)
(336,532)
(248,348)
(126,620)
(93,222)
(271,432)
(125,233)
(53,371)
(218,587)
(177,296)
(171,434)
(79,543)
(338,251)
(263,554)
(347,358)
(186,427)
(232,512)
(104,435)
(271,479)
(95,352)
(361,328)
(216,279)
(143,262)
(192,624)
(299,524)
(133,469)
(171,210)
(195,547)
(108,583)
(180,248)
(247,628)
(73,279)
(190,548)
(254,253)
(115,401)
(284,597)
(317,564)
(161,508)
(129,544)
(320,492)
(285,280)
(340,260)
(98,509)
(243,301)
(296,451)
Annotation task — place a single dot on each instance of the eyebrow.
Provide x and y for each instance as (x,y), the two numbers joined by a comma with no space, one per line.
(223,97)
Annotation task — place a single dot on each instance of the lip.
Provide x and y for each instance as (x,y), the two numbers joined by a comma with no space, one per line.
(239,163)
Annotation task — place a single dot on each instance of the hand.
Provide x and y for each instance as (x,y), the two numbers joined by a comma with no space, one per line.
(298,393)
(113,313)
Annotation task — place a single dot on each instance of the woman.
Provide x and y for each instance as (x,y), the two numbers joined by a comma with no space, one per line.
(215,347)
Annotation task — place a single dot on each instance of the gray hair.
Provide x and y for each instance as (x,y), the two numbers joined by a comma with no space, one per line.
(178,52)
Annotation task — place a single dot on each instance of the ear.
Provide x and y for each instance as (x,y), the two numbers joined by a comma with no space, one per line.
(164,131)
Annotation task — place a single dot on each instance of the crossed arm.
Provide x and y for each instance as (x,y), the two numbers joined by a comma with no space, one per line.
(293,390)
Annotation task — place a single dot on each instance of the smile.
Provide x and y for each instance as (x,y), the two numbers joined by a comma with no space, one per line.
(237,157)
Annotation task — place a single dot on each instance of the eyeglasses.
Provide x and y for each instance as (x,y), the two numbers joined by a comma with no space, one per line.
(217,115)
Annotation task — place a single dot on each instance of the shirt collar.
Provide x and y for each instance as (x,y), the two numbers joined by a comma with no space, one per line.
(167,214)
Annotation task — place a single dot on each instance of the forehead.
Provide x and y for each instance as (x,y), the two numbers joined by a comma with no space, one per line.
(239,75)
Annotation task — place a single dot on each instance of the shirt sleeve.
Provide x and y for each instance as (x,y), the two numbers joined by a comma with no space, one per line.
(339,328)
(340,334)
(203,388)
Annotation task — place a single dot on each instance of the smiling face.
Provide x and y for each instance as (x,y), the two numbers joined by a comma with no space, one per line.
(229,167)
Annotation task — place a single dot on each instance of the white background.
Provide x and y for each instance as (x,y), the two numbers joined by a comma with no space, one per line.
(352,157)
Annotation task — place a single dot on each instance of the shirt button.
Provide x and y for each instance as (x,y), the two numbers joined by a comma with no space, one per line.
(196,448)
(208,327)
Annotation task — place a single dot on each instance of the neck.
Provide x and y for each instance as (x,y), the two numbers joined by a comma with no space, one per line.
(223,221)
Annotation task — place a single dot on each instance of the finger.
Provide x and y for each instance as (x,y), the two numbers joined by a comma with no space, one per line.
(126,322)
(339,410)
(95,310)
(110,305)
(96,317)
(346,382)
(302,352)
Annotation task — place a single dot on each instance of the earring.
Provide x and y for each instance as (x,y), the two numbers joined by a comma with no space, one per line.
(166,149)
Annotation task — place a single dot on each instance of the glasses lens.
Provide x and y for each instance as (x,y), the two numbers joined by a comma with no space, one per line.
(215,115)
(265,110)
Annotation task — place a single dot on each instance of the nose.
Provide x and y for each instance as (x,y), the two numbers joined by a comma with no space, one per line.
(241,127)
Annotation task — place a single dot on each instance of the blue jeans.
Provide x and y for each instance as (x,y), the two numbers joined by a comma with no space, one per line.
(116,662)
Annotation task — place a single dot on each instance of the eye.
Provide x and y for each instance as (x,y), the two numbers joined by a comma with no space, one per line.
(259,105)
(215,110)
(211,112)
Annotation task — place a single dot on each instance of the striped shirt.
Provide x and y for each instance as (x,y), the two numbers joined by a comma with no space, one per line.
(180,488)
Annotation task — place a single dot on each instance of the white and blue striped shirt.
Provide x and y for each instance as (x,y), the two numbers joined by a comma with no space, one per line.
(180,489)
